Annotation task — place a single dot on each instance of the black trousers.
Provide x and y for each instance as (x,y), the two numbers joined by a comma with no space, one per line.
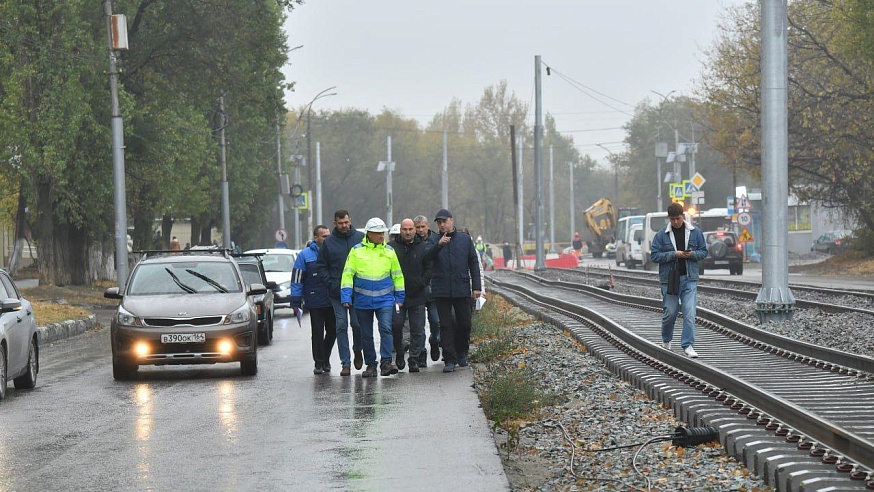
(454,315)
(324,331)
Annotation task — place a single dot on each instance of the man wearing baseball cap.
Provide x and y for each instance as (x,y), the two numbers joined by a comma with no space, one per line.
(455,280)
(373,273)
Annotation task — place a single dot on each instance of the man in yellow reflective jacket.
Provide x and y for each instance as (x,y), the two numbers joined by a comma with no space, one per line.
(373,274)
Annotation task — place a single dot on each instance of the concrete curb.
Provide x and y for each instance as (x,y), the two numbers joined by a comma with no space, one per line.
(53,332)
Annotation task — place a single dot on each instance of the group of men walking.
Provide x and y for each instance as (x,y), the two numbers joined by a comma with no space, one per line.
(347,278)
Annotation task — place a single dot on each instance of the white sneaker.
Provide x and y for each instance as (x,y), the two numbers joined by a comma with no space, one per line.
(666,345)
(690,352)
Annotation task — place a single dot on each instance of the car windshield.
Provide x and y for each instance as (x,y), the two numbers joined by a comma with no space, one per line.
(251,273)
(277,263)
(190,277)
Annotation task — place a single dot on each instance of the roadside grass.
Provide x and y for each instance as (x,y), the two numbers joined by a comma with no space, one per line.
(509,394)
(53,304)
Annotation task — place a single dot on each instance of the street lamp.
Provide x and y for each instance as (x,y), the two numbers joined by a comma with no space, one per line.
(661,150)
(318,199)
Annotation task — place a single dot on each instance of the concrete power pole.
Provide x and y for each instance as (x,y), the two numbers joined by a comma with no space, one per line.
(388,184)
(570,166)
(551,203)
(539,261)
(775,301)
(318,184)
(445,175)
(118,184)
(521,207)
(281,202)
(226,210)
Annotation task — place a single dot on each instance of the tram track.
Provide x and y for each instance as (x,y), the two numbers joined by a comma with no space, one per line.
(839,300)
(811,398)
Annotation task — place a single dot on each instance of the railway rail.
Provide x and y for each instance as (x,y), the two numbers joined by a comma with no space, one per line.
(839,300)
(799,415)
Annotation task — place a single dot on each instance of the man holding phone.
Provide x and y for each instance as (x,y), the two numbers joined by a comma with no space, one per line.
(455,281)
(683,243)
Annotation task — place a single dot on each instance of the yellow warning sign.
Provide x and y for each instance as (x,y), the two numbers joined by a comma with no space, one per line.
(745,236)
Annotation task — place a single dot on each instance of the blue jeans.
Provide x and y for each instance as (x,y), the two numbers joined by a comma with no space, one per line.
(365,323)
(688,299)
(417,330)
(433,321)
(341,321)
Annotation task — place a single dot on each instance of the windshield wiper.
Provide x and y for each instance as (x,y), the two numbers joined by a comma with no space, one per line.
(182,286)
(215,285)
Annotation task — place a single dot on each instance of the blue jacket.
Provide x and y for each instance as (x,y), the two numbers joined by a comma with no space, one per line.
(456,266)
(306,285)
(332,258)
(664,250)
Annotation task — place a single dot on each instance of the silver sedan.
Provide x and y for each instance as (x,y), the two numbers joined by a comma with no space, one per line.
(19,344)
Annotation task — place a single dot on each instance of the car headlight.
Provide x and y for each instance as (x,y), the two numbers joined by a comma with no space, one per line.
(241,315)
(125,318)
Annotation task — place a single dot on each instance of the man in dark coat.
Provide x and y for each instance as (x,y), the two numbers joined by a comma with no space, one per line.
(410,250)
(430,238)
(332,258)
(455,281)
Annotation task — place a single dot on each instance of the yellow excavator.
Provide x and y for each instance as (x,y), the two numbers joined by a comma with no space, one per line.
(601,221)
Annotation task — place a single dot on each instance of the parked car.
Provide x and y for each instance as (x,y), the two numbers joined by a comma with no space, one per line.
(724,250)
(19,344)
(189,307)
(832,242)
(253,273)
(278,263)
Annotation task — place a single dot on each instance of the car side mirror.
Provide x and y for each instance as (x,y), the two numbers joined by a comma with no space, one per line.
(256,290)
(272,285)
(9,305)
(112,293)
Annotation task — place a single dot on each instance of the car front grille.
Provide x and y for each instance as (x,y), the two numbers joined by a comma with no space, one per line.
(200,321)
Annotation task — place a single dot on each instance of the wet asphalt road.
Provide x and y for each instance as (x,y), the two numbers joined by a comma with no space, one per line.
(209,428)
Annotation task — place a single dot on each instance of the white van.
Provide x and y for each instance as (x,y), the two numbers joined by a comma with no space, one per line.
(623,237)
(653,223)
(635,246)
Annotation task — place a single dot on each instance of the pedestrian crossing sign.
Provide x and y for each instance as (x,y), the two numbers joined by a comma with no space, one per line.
(676,191)
(745,236)
(301,201)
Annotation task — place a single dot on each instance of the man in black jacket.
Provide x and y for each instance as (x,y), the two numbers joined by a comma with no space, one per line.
(411,250)
(332,258)
(456,272)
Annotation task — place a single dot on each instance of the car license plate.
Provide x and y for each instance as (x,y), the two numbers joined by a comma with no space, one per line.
(720,263)
(183,338)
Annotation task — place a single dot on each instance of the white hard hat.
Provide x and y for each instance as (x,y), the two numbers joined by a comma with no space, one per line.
(395,229)
(375,225)
(479,238)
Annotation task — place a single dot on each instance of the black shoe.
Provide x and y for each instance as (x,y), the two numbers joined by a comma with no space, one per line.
(423,359)
(435,351)
(400,362)
(370,372)
(318,370)
(359,359)
(462,360)
(414,366)
(387,368)
(326,367)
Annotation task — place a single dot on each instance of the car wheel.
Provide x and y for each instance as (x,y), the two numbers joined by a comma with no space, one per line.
(122,371)
(28,379)
(739,269)
(3,369)
(631,264)
(249,367)
(264,334)
(270,326)
(618,263)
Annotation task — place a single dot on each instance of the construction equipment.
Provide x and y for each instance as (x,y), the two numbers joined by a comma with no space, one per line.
(601,221)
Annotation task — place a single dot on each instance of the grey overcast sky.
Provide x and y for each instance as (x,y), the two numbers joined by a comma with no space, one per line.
(415,56)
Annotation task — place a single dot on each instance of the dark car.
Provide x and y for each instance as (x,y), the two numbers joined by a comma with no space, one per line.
(832,242)
(253,273)
(19,344)
(723,251)
(189,307)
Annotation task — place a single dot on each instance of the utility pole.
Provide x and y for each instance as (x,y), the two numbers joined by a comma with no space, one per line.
(445,175)
(226,210)
(387,166)
(301,162)
(677,170)
(775,301)
(118,184)
(520,206)
(539,263)
(551,203)
(570,166)
(279,172)
(318,200)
